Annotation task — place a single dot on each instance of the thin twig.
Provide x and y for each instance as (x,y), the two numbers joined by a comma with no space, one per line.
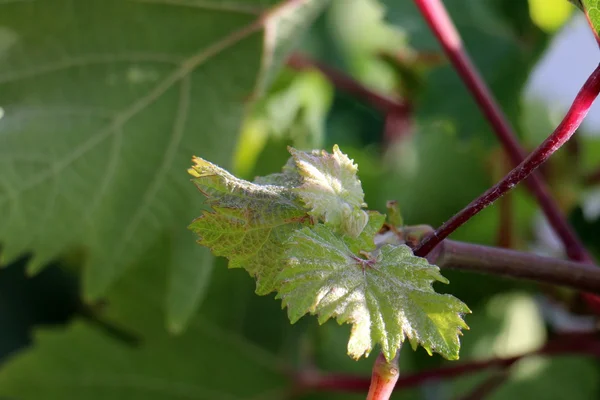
(343,82)
(451,254)
(441,24)
(576,344)
(563,132)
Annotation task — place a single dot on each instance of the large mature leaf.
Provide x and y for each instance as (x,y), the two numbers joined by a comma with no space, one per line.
(386,298)
(105,101)
(83,362)
(249,222)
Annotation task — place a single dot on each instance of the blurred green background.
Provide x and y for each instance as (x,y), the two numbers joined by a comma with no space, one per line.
(104,293)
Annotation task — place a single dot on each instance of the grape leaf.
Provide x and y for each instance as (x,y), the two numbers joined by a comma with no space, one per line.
(331,189)
(249,222)
(386,298)
(365,241)
(102,102)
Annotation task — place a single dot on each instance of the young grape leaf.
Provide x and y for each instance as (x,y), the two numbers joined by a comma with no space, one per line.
(365,241)
(386,298)
(331,189)
(249,222)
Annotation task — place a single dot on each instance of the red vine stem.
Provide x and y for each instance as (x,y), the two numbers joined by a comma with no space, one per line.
(563,132)
(441,24)
(575,344)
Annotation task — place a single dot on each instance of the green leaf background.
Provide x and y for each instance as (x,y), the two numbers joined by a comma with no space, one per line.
(199,364)
(104,102)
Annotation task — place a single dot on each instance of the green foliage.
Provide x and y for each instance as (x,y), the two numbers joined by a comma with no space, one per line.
(102,101)
(83,362)
(331,189)
(183,77)
(294,109)
(249,224)
(364,241)
(387,297)
(326,269)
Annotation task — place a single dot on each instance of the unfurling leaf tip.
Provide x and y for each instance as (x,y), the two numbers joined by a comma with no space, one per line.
(193,173)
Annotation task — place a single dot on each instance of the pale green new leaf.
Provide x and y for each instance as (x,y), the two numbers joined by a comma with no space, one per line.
(365,241)
(249,222)
(387,298)
(331,189)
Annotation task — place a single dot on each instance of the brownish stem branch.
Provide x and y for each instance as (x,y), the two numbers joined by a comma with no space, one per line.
(517,265)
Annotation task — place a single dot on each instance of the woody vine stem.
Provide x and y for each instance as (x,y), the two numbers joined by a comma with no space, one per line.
(449,254)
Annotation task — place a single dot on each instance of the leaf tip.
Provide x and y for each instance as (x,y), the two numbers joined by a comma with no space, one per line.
(193,173)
